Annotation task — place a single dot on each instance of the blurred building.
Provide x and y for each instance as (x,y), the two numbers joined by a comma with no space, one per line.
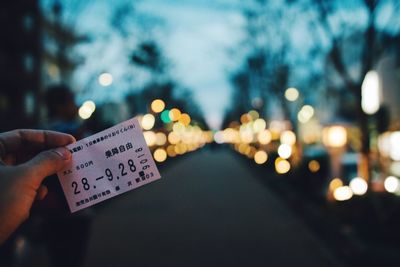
(389,72)
(58,40)
(34,52)
(20,56)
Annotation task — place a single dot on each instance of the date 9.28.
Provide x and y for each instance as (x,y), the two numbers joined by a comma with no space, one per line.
(124,168)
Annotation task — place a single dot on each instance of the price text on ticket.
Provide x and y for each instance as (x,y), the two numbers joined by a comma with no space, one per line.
(107,164)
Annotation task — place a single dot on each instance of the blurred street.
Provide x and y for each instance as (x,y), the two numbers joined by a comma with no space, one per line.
(275,126)
(207,210)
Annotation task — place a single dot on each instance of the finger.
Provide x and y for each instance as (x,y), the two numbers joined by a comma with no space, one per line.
(46,163)
(41,192)
(17,140)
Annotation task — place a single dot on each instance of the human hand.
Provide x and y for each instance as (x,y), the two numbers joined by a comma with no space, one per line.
(26,158)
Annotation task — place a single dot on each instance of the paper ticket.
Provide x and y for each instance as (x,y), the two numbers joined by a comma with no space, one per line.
(107,164)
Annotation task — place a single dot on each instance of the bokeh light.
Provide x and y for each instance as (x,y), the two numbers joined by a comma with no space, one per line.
(335,183)
(84,113)
(314,166)
(284,151)
(218,137)
(359,186)
(150,138)
(291,94)
(395,168)
(259,125)
(305,113)
(161,139)
(370,93)
(260,157)
(254,114)
(288,137)
(343,193)
(90,105)
(160,155)
(148,121)
(394,151)
(185,119)
(157,105)
(246,136)
(86,110)
(181,148)
(171,151)
(165,116)
(392,184)
(384,144)
(174,114)
(178,127)
(282,166)
(264,137)
(173,138)
(334,136)
(105,79)
(245,118)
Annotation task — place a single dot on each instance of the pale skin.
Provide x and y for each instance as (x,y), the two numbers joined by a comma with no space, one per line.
(26,158)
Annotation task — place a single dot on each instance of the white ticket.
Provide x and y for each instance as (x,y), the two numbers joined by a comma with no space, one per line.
(107,164)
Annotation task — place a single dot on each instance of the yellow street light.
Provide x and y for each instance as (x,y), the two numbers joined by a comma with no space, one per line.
(174,114)
(160,155)
(185,119)
(334,136)
(288,137)
(264,137)
(260,157)
(335,183)
(157,105)
(150,138)
(314,166)
(282,166)
(148,121)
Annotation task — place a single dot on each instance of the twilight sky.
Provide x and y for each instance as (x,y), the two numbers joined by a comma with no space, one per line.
(199,37)
(196,36)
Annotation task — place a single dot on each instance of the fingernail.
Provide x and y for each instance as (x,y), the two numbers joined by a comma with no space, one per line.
(63,152)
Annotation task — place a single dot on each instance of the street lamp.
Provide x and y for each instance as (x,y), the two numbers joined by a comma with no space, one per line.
(370,104)
(370,93)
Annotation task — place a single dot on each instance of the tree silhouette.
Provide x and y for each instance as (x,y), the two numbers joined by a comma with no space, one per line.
(265,71)
(370,44)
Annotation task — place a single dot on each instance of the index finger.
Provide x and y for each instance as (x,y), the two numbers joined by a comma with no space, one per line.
(14,141)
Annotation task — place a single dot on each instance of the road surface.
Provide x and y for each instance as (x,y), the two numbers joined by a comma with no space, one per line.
(207,210)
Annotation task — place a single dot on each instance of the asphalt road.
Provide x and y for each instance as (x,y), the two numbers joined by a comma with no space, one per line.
(207,210)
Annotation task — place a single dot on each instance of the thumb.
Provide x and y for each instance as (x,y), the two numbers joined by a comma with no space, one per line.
(47,163)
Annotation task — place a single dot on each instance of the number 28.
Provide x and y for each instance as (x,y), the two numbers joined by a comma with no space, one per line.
(85,184)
